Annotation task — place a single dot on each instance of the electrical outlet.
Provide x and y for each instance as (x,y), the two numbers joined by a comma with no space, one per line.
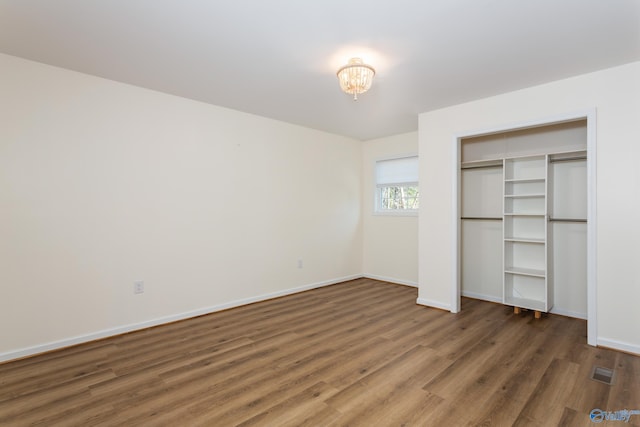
(299,263)
(138,287)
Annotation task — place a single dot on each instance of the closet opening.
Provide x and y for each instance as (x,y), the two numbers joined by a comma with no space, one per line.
(525,223)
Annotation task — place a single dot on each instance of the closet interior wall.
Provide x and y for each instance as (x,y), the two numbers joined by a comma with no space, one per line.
(482,211)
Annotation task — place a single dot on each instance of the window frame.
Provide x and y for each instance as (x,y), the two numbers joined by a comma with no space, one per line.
(377,188)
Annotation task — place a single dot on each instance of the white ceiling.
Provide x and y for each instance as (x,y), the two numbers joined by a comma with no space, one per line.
(278,58)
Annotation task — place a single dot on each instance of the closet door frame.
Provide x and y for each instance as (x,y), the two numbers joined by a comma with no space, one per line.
(590,116)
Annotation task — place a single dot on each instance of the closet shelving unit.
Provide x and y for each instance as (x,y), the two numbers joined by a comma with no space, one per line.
(537,194)
(526,248)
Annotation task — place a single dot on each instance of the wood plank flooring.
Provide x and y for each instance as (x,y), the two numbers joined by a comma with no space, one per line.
(360,353)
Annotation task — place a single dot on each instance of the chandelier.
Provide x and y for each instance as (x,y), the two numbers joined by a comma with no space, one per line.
(356,77)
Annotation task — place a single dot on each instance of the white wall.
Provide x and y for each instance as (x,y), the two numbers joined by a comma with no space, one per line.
(103,184)
(615,93)
(390,250)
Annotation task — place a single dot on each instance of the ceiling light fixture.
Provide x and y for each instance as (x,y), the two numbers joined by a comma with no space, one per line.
(356,77)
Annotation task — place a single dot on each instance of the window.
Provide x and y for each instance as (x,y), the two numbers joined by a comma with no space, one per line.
(397,186)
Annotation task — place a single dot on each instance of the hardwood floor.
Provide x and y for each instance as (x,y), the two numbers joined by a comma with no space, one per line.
(357,353)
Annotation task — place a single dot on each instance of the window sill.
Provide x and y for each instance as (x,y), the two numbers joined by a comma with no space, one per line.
(396,213)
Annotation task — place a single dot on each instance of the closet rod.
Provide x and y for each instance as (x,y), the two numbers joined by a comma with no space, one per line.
(567,220)
(480,218)
(568,159)
(481,167)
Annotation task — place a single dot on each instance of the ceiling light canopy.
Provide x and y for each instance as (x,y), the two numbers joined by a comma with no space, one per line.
(356,77)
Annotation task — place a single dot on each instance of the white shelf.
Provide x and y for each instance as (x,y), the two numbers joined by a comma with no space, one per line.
(524,196)
(524,180)
(525,188)
(531,304)
(524,240)
(525,233)
(525,271)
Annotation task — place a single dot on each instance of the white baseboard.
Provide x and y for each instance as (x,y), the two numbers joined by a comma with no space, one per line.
(482,297)
(67,342)
(619,345)
(569,313)
(434,304)
(391,280)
